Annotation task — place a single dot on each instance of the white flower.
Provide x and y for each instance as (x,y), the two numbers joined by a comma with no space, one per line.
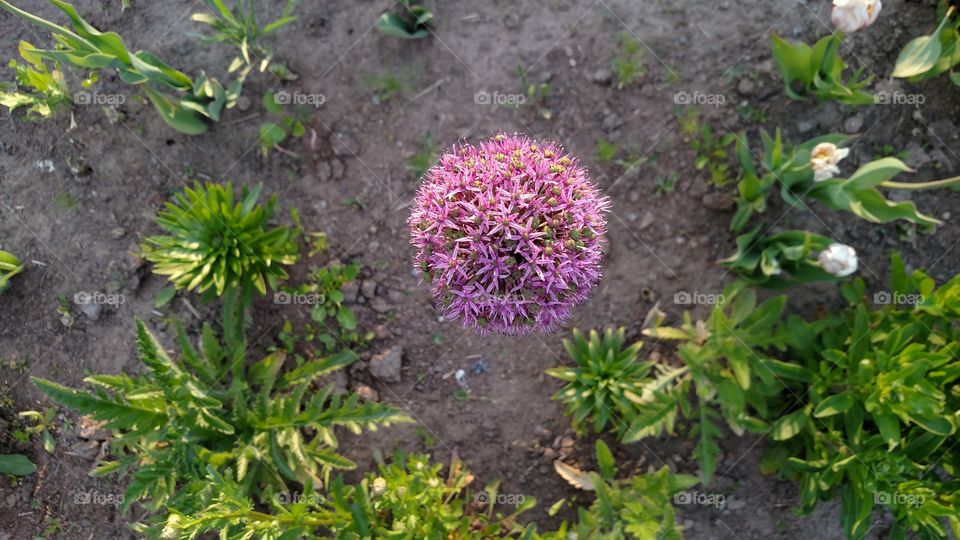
(838,259)
(824,159)
(379,485)
(852,15)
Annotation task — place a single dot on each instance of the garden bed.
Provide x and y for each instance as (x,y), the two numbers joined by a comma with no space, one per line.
(75,202)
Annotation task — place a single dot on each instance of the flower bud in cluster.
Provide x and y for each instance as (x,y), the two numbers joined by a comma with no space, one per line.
(509,233)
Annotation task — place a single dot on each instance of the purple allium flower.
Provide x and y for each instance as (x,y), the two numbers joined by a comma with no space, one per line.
(509,234)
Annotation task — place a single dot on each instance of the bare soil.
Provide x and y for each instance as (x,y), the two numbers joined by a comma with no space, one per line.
(79,224)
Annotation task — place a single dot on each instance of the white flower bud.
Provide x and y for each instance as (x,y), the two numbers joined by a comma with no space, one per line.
(852,15)
(838,259)
(824,159)
(379,485)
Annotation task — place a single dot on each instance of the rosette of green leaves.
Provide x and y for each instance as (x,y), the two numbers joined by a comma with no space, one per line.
(604,381)
(216,243)
(876,407)
(779,260)
(185,104)
(817,71)
(10,266)
(788,166)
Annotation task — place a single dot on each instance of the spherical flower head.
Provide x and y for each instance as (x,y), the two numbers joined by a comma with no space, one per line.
(824,159)
(838,259)
(853,15)
(509,233)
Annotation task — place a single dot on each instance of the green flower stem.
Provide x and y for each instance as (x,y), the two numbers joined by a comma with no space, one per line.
(921,186)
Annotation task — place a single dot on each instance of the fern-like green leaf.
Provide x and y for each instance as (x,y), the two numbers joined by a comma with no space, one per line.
(116,414)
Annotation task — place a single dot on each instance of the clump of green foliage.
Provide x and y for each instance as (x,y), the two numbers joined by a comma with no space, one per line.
(272,134)
(10,266)
(779,260)
(789,167)
(534,94)
(876,409)
(424,158)
(323,291)
(186,104)
(818,72)
(606,381)
(712,150)
(719,366)
(412,20)
(238,27)
(408,498)
(628,63)
(860,404)
(386,86)
(41,89)
(266,427)
(606,150)
(216,243)
(667,183)
(638,507)
(42,425)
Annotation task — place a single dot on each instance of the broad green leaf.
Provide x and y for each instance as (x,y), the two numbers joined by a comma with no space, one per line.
(836,404)
(875,173)
(16,465)
(919,55)
(790,425)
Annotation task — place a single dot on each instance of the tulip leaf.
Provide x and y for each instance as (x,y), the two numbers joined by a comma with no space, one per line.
(920,55)
(16,465)
(876,172)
